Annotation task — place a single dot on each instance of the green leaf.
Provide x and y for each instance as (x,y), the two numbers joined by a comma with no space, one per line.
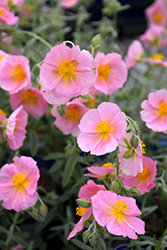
(69,167)
(80,244)
(10,235)
(33,142)
(4,230)
(20,241)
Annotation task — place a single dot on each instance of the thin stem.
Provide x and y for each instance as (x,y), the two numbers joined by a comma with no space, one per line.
(117,162)
(144,201)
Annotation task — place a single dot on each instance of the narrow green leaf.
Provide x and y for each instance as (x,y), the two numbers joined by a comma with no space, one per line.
(10,235)
(33,142)
(80,244)
(4,230)
(69,167)
(20,241)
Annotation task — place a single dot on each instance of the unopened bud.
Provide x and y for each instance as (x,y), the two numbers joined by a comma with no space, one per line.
(97,47)
(116,186)
(36,215)
(88,96)
(86,236)
(136,127)
(96,40)
(96,241)
(134,141)
(61,110)
(135,191)
(83,203)
(164,165)
(43,210)
(129,153)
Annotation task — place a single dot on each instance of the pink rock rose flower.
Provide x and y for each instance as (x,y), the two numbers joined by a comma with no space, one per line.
(5,3)
(156,60)
(66,73)
(7,17)
(69,3)
(132,163)
(101,172)
(101,128)
(31,99)
(134,54)
(69,122)
(155,111)
(117,214)
(86,192)
(14,73)
(15,128)
(18,183)
(111,72)
(157,14)
(144,180)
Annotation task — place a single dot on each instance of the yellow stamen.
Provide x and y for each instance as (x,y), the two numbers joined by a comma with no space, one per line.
(19,181)
(143,148)
(107,165)
(81,210)
(158,17)
(29,96)
(119,210)
(1,57)
(144,176)
(19,73)
(1,13)
(15,128)
(158,56)
(73,114)
(91,103)
(162,109)
(104,71)
(3,113)
(103,127)
(67,70)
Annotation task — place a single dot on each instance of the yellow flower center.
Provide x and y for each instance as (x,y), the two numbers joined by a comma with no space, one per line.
(29,96)
(162,109)
(73,114)
(19,73)
(158,17)
(143,148)
(1,57)
(107,165)
(103,128)
(19,181)
(1,13)
(119,210)
(104,71)
(91,103)
(158,56)
(81,210)
(15,128)
(67,70)
(2,113)
(144,176)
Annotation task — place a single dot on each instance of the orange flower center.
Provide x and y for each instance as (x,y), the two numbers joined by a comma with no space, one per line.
(29,96)
(91,103)
(2,113)
(107,165)
(19,73)
(81,210)
(1,57)
(19,181)
(158,56)
(158,17)
(67,70)
(73,114)
(104,71)
(144,176)
(1,13)
(119,210)
(103,128)
(162,109)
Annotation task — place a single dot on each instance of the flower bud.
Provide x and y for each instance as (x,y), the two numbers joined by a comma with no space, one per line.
(96,241)
(61,110)
(134,141)
(129,153)
(136,127)
(116,186)
(88,96)
(135,191)
(83,203)
(164,164)
(43,210)
(96,40)
(86,236)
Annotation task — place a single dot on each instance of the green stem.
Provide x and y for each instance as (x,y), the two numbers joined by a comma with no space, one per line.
(117,162)
(29,33)
(144,201)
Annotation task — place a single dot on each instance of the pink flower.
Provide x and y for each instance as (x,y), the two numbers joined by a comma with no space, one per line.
(157,13)
(156,60)
(66,73)
(15,128)
(101,172)
(155,111)
(2,55)
(14,73)
(18,183)
(5,3)
(117,214)
(69,3)
(101,128)
(134,54)
(86,192)
(154,37)
(31,99)
(111,72)
(69,122)
(144,180)
(7,17)
(130,158)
